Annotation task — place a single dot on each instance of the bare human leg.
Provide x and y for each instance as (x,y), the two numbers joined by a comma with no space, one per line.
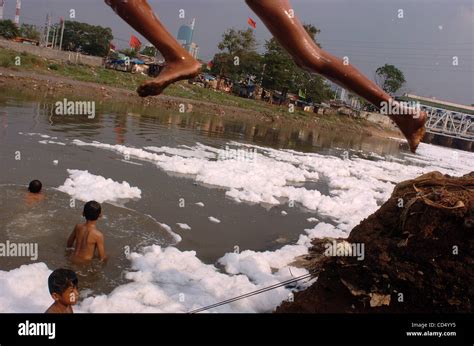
(279,18)
(179,63)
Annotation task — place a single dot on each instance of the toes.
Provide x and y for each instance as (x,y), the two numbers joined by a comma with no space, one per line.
(150,89)
(417,138)
(142,91)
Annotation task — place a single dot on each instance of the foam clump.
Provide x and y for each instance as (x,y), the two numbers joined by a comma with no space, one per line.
(357,186)
(85,186)
(170,280)
(25,289)
(214,220)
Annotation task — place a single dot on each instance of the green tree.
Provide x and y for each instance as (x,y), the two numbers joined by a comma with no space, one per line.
(149,51)
(389,78)
(29,31)
(281,72)
(238,55)
(130,52)
(8,29)
(86,38)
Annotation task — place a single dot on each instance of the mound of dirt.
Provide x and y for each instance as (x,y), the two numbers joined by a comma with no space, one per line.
(418,255)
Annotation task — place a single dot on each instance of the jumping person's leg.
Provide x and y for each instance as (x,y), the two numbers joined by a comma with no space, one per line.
(290,33)
(179,63)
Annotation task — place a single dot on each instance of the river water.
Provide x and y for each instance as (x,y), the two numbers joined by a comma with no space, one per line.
(36,145)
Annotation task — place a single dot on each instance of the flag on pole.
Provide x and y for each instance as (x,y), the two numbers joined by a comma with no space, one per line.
(111,46)
(252,23)
(210,64)
(135,42)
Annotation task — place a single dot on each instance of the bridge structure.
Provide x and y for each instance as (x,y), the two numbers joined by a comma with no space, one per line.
(448,123)
(444,122)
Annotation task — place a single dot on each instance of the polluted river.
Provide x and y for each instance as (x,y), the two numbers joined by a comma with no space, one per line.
(196,209)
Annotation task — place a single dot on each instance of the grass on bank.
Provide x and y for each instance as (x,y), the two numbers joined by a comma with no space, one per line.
(129,81)
(100,75)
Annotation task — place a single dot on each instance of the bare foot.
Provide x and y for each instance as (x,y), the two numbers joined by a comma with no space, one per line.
(172,72)
(413,128)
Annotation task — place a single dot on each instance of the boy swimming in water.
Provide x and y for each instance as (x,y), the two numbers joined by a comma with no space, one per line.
(63,287)
(34,192)
(86,238)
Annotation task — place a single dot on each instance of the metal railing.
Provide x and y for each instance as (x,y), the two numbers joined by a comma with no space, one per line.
(449,123)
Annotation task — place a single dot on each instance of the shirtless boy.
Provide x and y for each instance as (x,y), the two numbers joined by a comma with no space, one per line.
(34,193)
(63,286)
(86,238)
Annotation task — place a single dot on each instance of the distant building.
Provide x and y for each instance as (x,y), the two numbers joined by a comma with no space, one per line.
(185,37)
(194,50)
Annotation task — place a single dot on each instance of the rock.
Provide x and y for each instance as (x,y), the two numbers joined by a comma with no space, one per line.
(379,299)
(419,258)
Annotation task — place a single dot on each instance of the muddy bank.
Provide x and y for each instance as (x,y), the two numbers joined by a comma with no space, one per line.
(52,88)
(418,255)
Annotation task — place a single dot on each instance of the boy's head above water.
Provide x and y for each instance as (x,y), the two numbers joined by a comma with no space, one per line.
(35,186)
(92,211)
(63,284)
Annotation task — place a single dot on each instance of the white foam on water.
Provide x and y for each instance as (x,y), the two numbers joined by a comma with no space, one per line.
(184,226)
(169,280)
(51,142)
(25,289)
(176,236)
(32,134)
(213,219)
(85,186)
(357,186)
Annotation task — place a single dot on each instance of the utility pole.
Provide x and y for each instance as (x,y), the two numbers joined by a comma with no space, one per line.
(2,3)
(48,25)
(263,74)
(54,36)
(17,12)
(63,24)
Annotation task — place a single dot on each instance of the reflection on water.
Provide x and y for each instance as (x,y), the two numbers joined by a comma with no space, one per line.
(117,125)
(48,223)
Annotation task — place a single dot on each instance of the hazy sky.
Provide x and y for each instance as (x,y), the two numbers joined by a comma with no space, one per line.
(422,43)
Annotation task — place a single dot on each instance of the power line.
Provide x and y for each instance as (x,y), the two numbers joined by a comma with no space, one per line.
(419,67)
(345,46)
(403,43)
(402,54)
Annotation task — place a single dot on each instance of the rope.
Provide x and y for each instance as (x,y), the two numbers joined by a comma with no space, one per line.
(262,290)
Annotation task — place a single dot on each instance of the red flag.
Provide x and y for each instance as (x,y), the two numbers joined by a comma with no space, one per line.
(252,23)
(135,42)
(111,46)
(210,64)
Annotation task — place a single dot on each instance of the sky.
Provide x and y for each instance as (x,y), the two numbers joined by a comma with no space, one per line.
(424,43)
